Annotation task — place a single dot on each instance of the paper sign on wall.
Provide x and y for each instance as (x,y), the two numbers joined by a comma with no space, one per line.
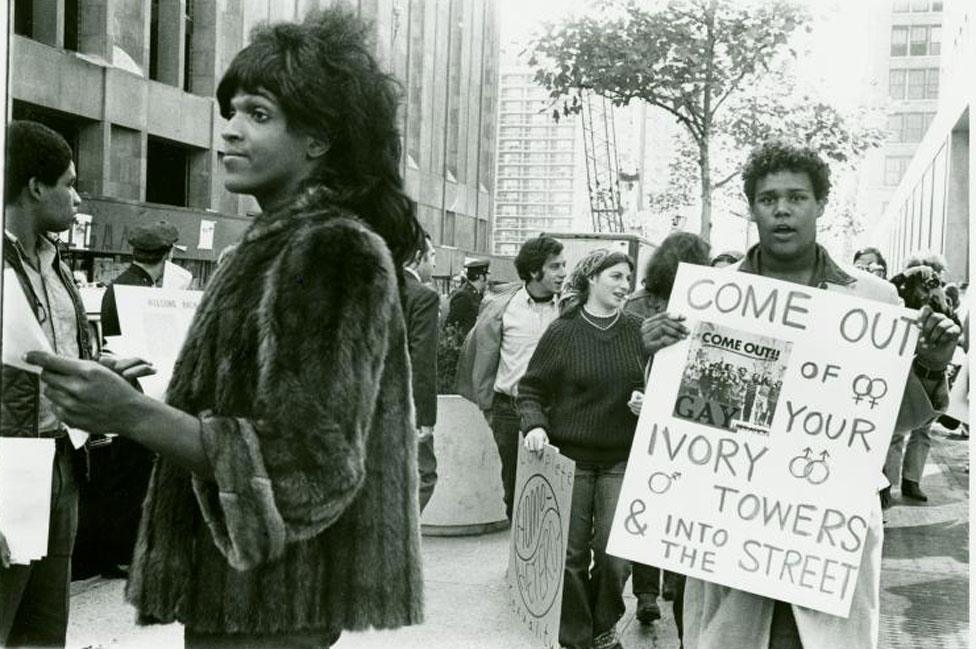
(540,529)
(759,447)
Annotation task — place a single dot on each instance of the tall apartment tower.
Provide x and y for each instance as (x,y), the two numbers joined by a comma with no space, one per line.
(541,184)
(907,72)
(131,83)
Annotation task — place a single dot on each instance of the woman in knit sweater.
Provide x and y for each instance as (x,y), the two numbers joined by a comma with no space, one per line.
(575,395)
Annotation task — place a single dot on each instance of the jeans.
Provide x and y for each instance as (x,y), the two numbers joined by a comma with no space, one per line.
(593,582)
(647,579)
(505,425)
(916,452)
(34,598)
(427,468)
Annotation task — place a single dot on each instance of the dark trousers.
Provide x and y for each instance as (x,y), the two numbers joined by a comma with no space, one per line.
(505,425)
(299,640)
(110,506)
(783,633)
(34,598)
(427,468)
(593,581)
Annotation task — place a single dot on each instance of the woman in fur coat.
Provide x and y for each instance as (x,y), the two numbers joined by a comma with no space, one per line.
(283,508)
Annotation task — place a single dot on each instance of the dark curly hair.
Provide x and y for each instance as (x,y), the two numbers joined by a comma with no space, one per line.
(533,254)
(772,157)
(33,151)
(328,84)
(663,265)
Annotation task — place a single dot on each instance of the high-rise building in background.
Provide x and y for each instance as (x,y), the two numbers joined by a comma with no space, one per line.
(928,208)
(130,84)
(906,68)
(541,183)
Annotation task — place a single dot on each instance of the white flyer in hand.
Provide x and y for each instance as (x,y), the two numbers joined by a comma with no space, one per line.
(26,465)
(21,331)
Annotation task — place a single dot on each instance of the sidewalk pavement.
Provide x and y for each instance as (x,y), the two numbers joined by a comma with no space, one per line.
(924,599)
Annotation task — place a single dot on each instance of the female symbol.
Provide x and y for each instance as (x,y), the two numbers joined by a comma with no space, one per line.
(865,387)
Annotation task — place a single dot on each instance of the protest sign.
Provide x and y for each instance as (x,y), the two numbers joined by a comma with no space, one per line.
(540,528)
(154,323)
(958,374)
(759,446)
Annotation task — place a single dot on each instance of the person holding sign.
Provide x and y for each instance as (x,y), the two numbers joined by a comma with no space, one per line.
(283,506)
(658,281)
(787,189)
(575,395)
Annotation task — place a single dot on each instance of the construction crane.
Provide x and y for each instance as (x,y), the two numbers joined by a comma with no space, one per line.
(602,165)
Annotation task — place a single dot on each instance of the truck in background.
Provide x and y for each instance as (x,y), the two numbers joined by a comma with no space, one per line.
(577,245)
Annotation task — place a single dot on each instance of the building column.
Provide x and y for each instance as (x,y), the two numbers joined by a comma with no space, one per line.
(93,158)
(95,28)
(171,32)
(49,22)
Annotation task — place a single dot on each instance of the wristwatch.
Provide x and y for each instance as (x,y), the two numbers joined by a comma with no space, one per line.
(927,374)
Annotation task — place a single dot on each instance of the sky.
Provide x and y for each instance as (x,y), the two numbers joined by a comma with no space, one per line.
(840,47)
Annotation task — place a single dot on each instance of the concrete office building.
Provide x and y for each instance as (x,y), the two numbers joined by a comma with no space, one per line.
(909,37)
(929,208)
(541,181)
(130,83)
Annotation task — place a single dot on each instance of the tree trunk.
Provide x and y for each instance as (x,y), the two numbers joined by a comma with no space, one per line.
(706,190)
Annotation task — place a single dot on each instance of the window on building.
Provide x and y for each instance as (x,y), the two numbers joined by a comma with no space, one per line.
(935,40)
(447,229)
(932,83)
(900,6)
(920,5)
(24,18)
(936,5)
(895,168)
(899,41)
(71,25)
(895,127)
(914,127)
(916,84)
(926,122)
(896,84)
(919,40)
(167,168)
(188,46)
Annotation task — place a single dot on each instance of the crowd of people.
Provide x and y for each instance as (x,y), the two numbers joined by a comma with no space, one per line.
(293,452)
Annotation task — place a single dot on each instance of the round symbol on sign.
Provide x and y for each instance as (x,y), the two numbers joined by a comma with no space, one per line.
(539,548)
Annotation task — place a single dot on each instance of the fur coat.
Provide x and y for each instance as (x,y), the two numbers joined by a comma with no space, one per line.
(296,364)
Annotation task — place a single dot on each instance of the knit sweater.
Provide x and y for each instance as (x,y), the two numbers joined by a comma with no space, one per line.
(577,387)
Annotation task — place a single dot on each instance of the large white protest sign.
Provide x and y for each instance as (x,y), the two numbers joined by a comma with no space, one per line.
(759,447)
(154,324)
(540,529)
(26,466)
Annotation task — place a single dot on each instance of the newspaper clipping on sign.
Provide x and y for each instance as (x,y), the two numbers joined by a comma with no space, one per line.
(758,452)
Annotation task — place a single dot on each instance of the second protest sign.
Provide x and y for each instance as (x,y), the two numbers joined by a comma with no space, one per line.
(758,453)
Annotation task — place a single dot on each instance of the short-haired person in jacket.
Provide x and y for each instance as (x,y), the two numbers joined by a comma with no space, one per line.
(40,197)
(575,395)
(421,310)
(283,507)
(497,350)
(650,300)
(787,189)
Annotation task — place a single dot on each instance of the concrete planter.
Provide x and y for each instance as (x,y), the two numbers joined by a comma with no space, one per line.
(468,496)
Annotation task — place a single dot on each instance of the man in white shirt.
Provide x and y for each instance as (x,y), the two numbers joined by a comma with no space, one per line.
(497,350)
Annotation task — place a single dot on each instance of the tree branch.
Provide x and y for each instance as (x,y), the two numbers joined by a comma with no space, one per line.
(725,180)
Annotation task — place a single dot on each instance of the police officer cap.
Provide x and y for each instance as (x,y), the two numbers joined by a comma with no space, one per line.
(477,263)
(153,236)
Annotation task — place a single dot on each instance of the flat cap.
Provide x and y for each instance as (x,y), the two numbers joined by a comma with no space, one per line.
(153,236)
(476,263)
